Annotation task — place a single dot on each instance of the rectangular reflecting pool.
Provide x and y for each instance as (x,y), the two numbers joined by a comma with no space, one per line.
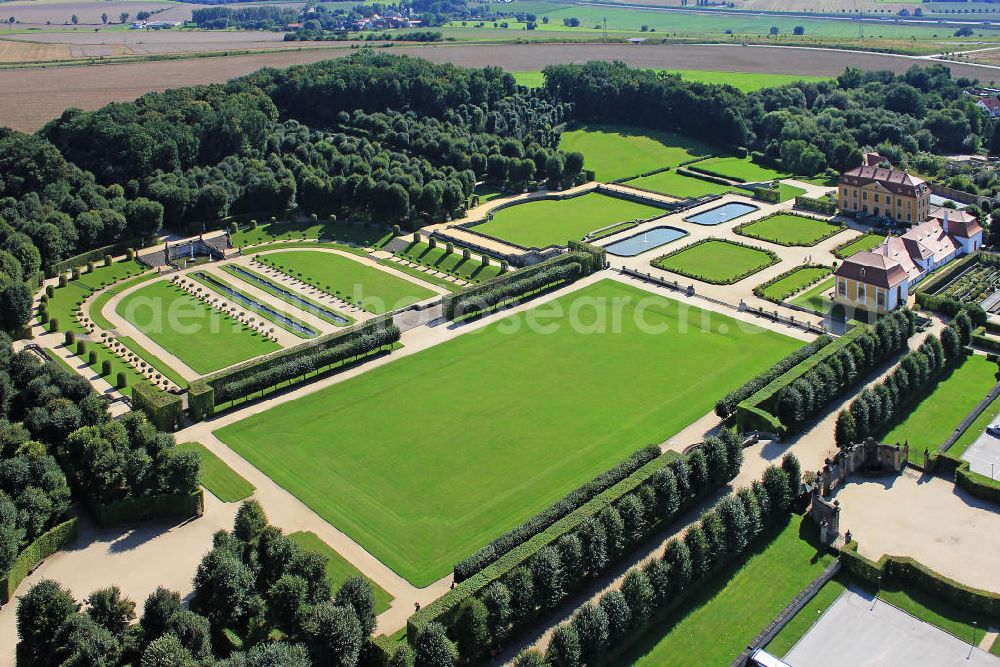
(644,241)
(721,214)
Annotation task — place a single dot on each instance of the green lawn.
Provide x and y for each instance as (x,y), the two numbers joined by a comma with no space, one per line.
(228,291)
(488,193)
(745,81)
(344,232)
(373,289)
(339,570)
(679,185)
(101,300)
(790,230)
(718,621)
(933,419)
(816,298)
(66,301)
(787,192)
(795,281)
(913,601)
(716,261)
(548,222)
(738,168)
(154,361)
(452,264)
(620,151)
(312,307)
(428,458)
(224,483)
(863,242)
(200,336)
(976,429)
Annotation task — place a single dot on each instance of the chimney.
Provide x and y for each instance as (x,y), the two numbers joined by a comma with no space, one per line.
(945,223)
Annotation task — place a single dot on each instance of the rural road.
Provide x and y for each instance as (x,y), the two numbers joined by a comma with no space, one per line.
(34,96)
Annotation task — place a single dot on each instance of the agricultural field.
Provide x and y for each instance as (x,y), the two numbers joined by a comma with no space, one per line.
(678,185)
(201,337)
(721,618)
(738,169)
(716,261)
(339,570)
(789,229)
(745,81)
(863,242)
(547,222)
(816,298)
(614,152)
(438,485)
(931,420)
(794,282)
(372,289)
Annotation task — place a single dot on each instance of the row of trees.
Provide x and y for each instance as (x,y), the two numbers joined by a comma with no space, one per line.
(874,409)
(809,394)
(504,607)
(721,535)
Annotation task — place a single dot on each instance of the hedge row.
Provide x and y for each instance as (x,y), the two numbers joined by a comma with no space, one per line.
(773,256)
(705,176)
(507,287)
(945,305)
(822,206)
(145,508)
(716,174)
(908,570)
(759,289)
(44,546)
(726,405)
(768,195)
(570,502)
(874,410)
(834,229)
(165,410)
(805,390)
(540,573)
(598,255)
(600,633)
(985,341)
(95,255)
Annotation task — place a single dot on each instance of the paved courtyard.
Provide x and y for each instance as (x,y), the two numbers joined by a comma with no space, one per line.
(984,455)
(855,633)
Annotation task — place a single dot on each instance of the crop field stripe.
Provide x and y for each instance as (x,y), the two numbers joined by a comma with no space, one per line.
(426,459)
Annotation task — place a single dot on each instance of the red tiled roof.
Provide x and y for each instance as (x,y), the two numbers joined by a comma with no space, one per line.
(960,223)
(992,104)
(872,268)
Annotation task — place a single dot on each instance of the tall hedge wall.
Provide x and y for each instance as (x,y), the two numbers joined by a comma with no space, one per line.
(145,508)
(44,546)
(165,410)
(822,206)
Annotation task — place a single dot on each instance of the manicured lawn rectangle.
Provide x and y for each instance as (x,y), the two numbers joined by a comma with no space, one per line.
(101,300)
(345,232)
(428,458)
(794,282)
(299,301)
(739,168)
(538,224)
(339,570)
(154,361)
(225,484)
(976,429)
(718,622)
(620,151)
(373,289)
(273,314)
(863,242)
(200,336)
(790,229)
(453,264)
(679,185)
(934,418)
(716,261)
(816,298)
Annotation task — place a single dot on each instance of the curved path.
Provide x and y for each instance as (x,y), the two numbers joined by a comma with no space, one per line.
(33,96)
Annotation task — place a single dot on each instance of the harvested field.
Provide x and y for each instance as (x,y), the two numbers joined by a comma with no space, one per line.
(34,96)
(41,13)
(17,52)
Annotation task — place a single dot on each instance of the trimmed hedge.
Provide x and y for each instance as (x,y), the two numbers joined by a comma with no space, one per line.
(97,254)
(568,503)
(768,195)
(705,176)
(822,206)
(726,405)
(265,372)
(978,485)
(716,174)
(758,291)
(947,273)
(773,256)
(599,256)
(145,508)
(165,410)
(506,288)
(908,570)
(985,341)
(44,546)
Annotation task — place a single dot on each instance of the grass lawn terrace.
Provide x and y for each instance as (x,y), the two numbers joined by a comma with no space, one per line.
(739,168)
(537,224)
(795,281)
(720,619)
(679,185)
(377,291)
(222,481)
(817,298)
(620,151)
(425,459)
(791,230)
(863,242)
(715,261)
(934,418)
(200,336)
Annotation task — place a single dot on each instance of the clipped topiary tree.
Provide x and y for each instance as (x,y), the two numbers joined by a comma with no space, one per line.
(76,273)
(54,324)
(69,338)
(81,348)
(120,381)
(105,368)
(62,280)
(92,358)
(107,260)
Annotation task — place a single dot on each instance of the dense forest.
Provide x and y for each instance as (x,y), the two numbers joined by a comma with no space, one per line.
(402,141)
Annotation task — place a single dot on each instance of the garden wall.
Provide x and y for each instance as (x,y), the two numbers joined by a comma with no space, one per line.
(44,546)
(145,508)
